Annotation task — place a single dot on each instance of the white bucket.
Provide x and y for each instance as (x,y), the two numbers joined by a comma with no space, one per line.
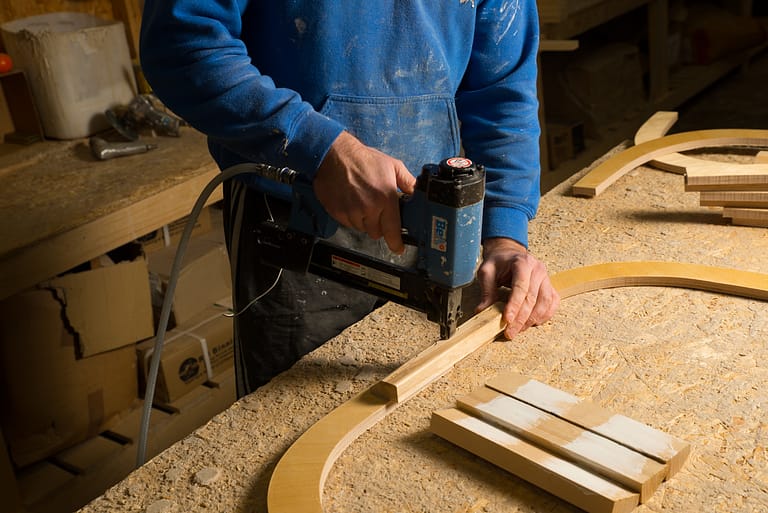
(77,65)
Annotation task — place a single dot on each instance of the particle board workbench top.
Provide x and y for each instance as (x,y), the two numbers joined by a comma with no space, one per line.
(60,207)
(687,362)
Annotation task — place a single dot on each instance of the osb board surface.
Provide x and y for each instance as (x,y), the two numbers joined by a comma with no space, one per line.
(687,362)
(51,187)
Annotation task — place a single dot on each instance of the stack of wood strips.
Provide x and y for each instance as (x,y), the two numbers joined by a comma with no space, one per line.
(590,457)
(740,190)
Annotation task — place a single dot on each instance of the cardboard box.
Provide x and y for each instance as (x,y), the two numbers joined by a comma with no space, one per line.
(204,278)
(51,400)
(78,65)
(104,308)
(192,353)
(156,240)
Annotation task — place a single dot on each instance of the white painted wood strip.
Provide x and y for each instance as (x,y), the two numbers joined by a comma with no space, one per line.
(569,441)
(619,428)
(573,484)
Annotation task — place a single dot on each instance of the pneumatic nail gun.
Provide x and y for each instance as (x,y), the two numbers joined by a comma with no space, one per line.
(442,219)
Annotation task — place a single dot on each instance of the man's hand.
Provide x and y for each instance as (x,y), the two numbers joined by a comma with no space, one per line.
(358,186)
(532,299)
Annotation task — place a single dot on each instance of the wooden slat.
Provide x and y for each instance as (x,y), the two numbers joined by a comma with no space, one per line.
(572,442)
(559,477)
(440,358)
(738,199)
(757,214)
(623,430)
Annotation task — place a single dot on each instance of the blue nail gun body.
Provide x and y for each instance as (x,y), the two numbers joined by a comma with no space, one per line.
(442,219)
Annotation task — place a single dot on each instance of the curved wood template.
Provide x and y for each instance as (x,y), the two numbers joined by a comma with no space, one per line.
(299,477)
(699,171)
(597,180)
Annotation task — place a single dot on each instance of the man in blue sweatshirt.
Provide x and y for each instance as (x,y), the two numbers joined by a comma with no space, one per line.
(357,95)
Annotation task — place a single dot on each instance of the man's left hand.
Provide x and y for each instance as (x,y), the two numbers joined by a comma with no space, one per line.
(532,299)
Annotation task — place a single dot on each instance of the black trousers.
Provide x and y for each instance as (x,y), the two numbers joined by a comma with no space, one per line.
(298,312)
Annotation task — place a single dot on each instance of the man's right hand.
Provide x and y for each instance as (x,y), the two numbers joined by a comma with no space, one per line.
(359,187)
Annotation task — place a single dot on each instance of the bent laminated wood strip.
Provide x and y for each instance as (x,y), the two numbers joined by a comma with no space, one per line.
(597,180)
(659,124)
(559,477)
(664,274)
(308,460)
(622,465)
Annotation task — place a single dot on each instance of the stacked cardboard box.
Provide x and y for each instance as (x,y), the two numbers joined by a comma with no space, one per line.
(67,357)
(200,343)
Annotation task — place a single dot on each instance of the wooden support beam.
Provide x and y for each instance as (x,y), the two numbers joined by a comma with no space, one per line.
(597,180)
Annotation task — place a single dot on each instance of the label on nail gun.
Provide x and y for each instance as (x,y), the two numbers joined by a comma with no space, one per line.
(363,271)
(439,234)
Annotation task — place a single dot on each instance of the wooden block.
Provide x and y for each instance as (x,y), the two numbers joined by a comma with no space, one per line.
(589,450)
(623,430)
(557,476)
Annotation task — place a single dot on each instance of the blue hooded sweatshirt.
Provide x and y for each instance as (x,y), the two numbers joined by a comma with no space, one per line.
(421,80)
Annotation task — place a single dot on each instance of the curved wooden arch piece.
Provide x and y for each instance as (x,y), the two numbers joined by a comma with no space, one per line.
(661,274)
(700,173)
(298,479)
(597,180)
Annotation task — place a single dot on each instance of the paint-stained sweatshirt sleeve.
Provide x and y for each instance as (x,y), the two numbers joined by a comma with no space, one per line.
(193,58)
(498,108)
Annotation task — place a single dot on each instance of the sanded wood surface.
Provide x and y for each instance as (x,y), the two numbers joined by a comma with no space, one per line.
(59,207)
(597,180)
